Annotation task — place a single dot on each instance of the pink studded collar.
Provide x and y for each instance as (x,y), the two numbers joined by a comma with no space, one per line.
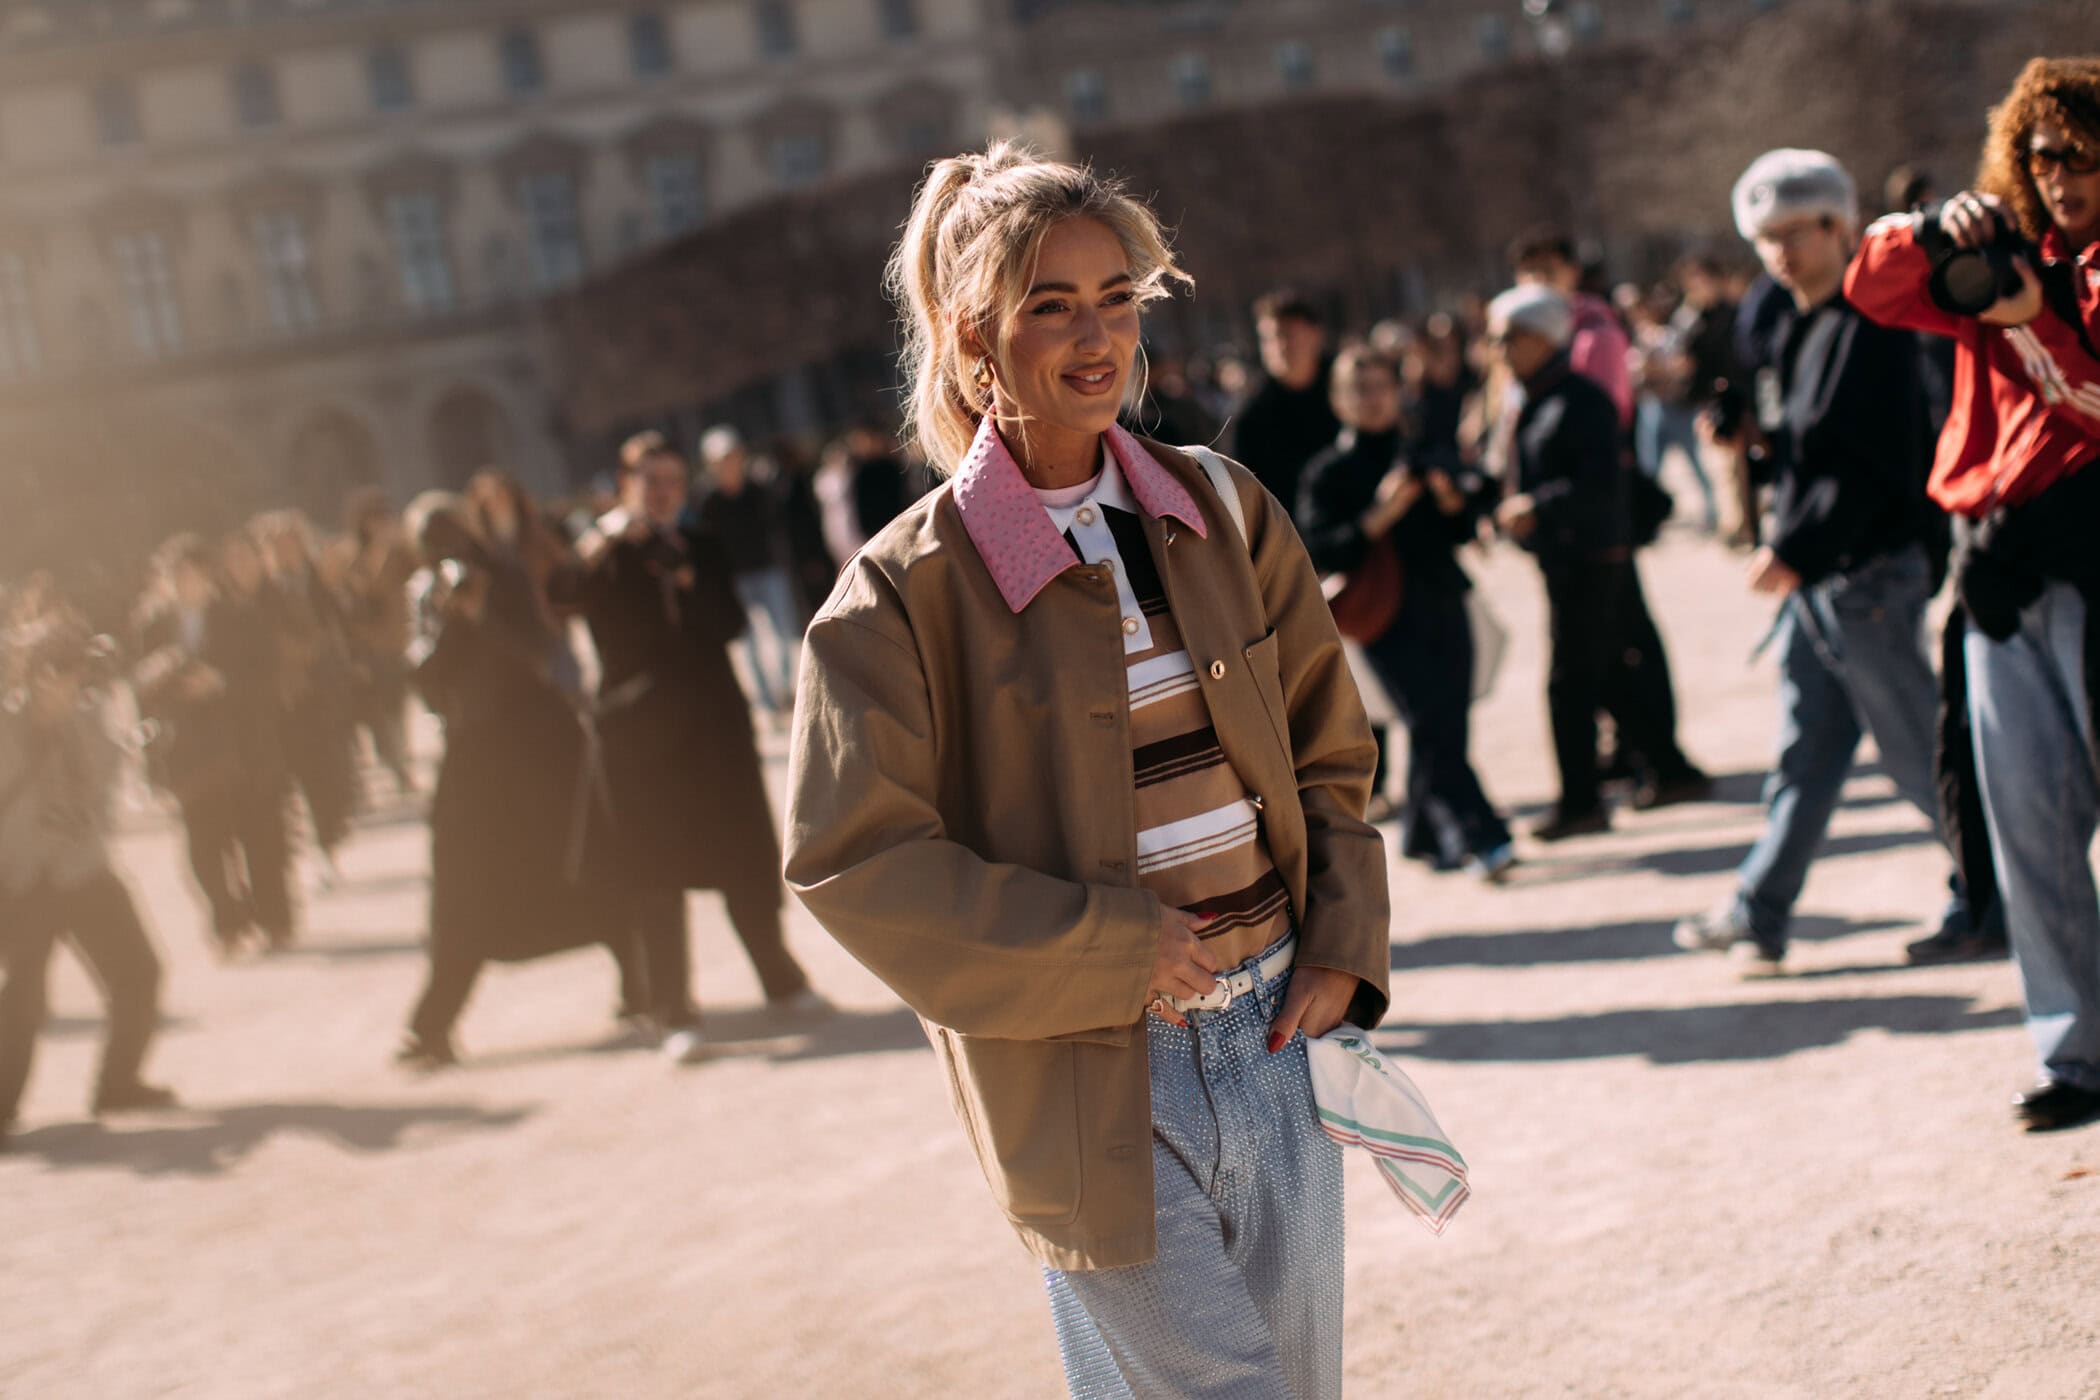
(1011,527)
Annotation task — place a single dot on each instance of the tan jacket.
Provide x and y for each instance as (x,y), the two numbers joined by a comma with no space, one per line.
(962,819)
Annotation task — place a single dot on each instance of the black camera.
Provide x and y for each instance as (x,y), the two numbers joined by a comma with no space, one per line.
(1970,281)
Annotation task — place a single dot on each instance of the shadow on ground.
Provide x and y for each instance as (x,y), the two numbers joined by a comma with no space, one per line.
(749,1033)
(1625,942)
(1568,864)
(211,1141)
(1765,1030)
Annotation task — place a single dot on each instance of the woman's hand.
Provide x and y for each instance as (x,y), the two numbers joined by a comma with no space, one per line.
(1397,493)
(1449,499)
(1183,967)
(1317,1001)
(1972,220)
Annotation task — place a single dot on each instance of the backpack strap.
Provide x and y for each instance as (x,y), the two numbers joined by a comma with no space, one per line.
(1221,482)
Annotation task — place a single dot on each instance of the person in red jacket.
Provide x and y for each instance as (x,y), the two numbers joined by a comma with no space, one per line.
(2014,466)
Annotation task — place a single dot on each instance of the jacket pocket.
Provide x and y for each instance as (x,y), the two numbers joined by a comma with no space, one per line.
(1019,1103)
(1265,667)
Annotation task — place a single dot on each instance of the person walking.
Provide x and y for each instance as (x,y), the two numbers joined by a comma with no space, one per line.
(210,681)
(2016,466)
(516,809)
(656,594)
(744,509)
(315,715)
(1637,690)
(1567,503)
(59,766)
(1363,491)
(1846,558)
(374,562)
(1100,966)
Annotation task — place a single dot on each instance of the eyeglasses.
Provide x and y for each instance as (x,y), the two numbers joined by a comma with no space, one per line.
(2043,159)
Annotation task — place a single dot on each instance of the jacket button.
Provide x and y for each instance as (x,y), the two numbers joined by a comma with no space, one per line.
(1130,626)
(1217,670)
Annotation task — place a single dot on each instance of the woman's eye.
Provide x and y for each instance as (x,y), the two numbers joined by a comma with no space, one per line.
(1123,298)
(1048,308)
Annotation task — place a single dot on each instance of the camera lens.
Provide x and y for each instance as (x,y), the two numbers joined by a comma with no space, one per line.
(1969,282)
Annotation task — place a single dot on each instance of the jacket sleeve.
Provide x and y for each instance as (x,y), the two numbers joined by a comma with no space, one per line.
(1886,280)
(983,948)
(1328,515)
(2066,376)
(1346,923)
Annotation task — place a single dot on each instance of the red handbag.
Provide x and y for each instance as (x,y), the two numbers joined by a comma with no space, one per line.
(1366,599)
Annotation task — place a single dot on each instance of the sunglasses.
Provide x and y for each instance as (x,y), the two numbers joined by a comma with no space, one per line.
(2043,159)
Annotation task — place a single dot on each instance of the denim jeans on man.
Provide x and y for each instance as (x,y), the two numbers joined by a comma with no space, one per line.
(2034,752)
(769,594)
(1851,661)
(1244,1299)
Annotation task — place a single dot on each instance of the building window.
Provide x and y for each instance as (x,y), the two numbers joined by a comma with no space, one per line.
(386,71)
(117,115)
(900,19)
(20,351)
(799,160)
(1493,33)
(1192,79)
(287,268)
(1396,52)
(776,28)
(1086,93)
(418,225)
(677,198)
(255,102)
(553,229)
(649,46)
(1677,11)
(523,73)
(149,292)
(1294,63)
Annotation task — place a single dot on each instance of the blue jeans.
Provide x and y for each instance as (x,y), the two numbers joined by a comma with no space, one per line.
(769,595)
(1659,426)
(2034,754)
(1244,1299)
(1851,661)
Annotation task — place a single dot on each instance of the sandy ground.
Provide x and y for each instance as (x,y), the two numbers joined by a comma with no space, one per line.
(1685,1185)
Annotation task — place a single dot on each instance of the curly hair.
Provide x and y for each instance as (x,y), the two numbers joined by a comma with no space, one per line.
(2062,91)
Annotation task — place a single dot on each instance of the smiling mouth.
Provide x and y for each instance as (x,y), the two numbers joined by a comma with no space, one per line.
(1092,381)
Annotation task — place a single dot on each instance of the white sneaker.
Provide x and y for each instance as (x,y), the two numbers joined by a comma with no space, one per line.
(685,1047)
(1715,931)
(1754,964)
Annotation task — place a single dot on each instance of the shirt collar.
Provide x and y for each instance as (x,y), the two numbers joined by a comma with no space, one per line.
(1022,547)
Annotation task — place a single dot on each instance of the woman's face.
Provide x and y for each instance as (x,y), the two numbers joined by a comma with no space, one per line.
(2066,175)
(500,512)
(1367,398)
(1075,336)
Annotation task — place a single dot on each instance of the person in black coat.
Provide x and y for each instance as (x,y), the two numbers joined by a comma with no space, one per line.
(689,799)
(517,800)
(1568,503)
(1362,490)
(1289,419)
(209,684)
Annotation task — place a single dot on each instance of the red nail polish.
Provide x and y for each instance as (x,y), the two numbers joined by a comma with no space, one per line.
(1277,1040)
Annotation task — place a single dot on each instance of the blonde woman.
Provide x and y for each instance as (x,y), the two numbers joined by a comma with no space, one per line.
(1079,771)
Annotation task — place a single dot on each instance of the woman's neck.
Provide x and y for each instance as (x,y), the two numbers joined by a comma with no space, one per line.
(1053,460)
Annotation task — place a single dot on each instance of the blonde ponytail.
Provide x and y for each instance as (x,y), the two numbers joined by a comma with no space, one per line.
(964,261)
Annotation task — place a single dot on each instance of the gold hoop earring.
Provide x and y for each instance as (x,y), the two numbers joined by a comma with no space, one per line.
(983,373)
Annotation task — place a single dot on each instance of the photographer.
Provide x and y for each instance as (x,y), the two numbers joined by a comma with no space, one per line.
(2013,465)
(58,766)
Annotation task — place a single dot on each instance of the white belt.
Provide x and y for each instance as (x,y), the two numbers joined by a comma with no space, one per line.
(1234,985)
